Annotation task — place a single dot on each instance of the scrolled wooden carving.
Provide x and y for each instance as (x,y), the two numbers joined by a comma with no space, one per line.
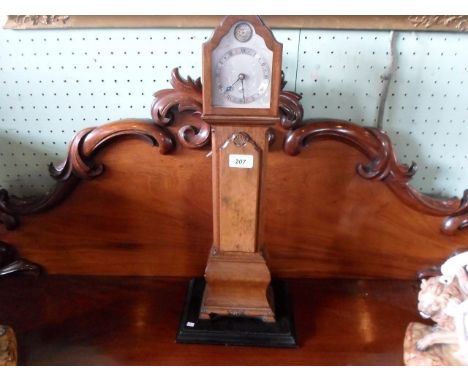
(8,220)
(85,144)
(291,109)
(458,220)
(10,262)
(383,165)
(186,96)
(80,164)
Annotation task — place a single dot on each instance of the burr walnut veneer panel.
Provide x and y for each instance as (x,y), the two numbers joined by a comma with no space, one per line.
(151,214)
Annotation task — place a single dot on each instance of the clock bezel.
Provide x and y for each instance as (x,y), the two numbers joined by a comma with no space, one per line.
(211,112)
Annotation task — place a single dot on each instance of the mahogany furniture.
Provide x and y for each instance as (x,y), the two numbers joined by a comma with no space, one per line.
(322,217)
(94,320)
(150,214)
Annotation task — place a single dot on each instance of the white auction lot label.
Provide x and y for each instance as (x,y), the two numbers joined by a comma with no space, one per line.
(240,161)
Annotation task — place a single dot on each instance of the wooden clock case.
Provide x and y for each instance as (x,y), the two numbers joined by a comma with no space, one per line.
(237,274)
(237,286)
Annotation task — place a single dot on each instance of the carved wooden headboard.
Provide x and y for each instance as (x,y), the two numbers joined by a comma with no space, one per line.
(341,208)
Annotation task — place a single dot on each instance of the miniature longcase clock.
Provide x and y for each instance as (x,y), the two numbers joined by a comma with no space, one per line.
(236,302)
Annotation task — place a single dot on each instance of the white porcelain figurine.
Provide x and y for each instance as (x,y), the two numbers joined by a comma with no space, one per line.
(444,300)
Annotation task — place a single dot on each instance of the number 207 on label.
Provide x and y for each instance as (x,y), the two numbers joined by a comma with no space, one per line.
(240,161)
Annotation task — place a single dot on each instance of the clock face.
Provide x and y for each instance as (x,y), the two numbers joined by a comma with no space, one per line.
(242,75)
(241,69)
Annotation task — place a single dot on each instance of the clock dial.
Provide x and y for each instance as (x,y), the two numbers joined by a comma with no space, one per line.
(241,70)
(242,76)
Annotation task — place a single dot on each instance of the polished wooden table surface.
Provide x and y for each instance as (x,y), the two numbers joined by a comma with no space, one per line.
(64,320)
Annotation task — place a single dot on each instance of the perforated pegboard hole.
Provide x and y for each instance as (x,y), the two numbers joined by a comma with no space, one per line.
(54,83)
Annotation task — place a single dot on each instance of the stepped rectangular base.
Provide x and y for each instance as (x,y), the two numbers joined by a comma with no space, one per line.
(231,330)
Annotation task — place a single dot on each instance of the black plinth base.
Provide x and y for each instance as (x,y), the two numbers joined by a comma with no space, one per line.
(229,330)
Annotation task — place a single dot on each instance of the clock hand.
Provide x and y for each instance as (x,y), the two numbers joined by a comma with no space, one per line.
(229,88)
(240,77)
(243,94)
